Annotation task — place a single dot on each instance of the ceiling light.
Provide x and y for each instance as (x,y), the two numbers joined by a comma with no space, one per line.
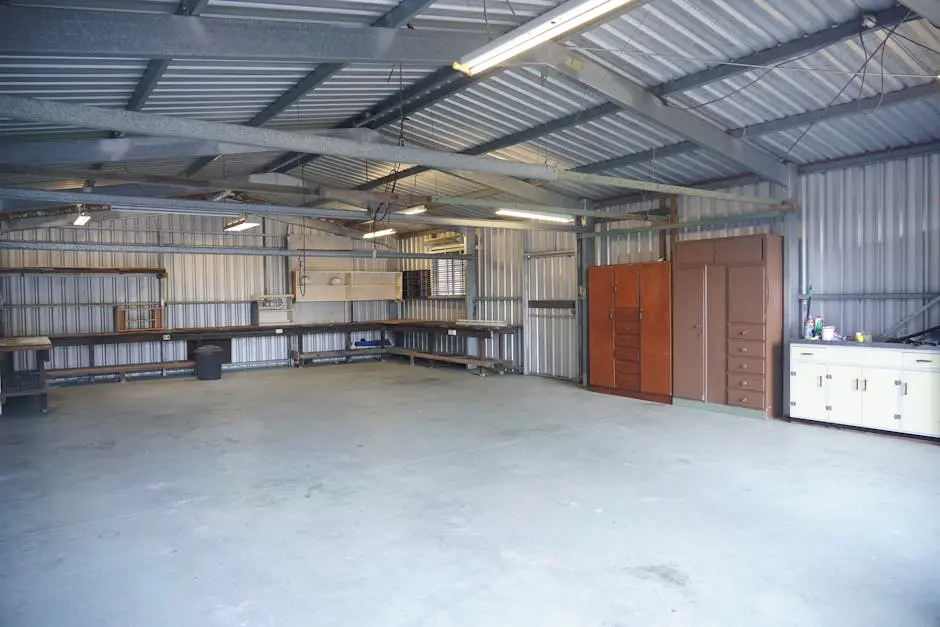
(553,24)
(382,233)
(82,219)
(241,224)
(531,215)
(413,211)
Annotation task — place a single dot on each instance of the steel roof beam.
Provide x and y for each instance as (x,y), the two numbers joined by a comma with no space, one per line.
(523,190)
(398,16)
(634,97)
(535,132)
(156,68)
(225,208)
(772,126)
(868,158)
(79,151)
(149,124)
(790,49)
(431,89)
(927,9)
(32,31)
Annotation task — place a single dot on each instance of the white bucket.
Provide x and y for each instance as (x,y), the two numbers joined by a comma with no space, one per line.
(828,334)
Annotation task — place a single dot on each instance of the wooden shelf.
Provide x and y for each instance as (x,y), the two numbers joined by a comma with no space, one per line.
(339,286)
(159,272)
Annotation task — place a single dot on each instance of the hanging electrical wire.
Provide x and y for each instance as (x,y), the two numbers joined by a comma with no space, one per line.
(828,108)
(782,65)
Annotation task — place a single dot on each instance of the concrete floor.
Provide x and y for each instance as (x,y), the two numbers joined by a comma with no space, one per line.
(385,495)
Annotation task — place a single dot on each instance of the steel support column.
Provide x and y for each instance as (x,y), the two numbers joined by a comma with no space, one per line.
(586,256)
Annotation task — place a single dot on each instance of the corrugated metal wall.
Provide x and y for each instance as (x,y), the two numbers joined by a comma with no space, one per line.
(551,334)
(201,290)
(447,309)
(866,230)
(873,229)
(500,286)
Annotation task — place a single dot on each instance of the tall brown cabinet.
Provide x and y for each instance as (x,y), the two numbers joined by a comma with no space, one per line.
(728,324)
(630,329)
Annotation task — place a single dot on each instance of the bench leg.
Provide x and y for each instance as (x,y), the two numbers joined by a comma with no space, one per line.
(411,358)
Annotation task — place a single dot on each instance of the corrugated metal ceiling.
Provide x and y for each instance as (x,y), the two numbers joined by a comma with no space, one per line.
(659,41)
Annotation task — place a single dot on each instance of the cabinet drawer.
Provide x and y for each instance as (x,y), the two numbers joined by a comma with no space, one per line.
(627,368)
(810,354)
(739,381)
(626,341)
(626,354)
(745,348)
(626,327)
(745,332)
(921,360)
(745,398)
(747,249)
(626,316)
(749,365)
(628,381)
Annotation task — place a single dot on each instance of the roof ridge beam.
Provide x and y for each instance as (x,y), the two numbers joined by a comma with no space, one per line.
(637,99)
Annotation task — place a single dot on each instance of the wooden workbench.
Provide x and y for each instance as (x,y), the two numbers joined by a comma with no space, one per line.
(16,384)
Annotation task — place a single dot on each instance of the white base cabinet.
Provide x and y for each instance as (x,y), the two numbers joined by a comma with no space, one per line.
(890,388)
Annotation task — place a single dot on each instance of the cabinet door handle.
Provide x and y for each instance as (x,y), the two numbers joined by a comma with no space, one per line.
(819,383)
(905,389)
(864,385)
(856,384)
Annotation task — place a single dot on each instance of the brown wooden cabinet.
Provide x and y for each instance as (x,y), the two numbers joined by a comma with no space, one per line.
(728,325)
(630,329)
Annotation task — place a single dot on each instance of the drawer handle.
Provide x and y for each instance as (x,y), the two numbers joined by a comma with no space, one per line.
(744,332)
(744,349)
(925,361)
(744,383)
(807,354)
(743,366)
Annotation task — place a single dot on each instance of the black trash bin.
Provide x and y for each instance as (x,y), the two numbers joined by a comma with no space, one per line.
(208,362)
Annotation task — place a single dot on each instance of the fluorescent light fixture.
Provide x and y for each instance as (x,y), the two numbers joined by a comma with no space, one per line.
(82,219)
(413,211)
(553,24)
(531,215)
(241,224)
(382,233)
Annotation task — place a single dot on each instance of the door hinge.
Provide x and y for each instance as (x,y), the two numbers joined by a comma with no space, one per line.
(828,407)
(793,373)
(829,376)
(897,416)
(792,403)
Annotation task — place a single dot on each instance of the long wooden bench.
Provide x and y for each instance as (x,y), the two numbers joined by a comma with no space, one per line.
(121,370)
(482,364)
(299,358)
